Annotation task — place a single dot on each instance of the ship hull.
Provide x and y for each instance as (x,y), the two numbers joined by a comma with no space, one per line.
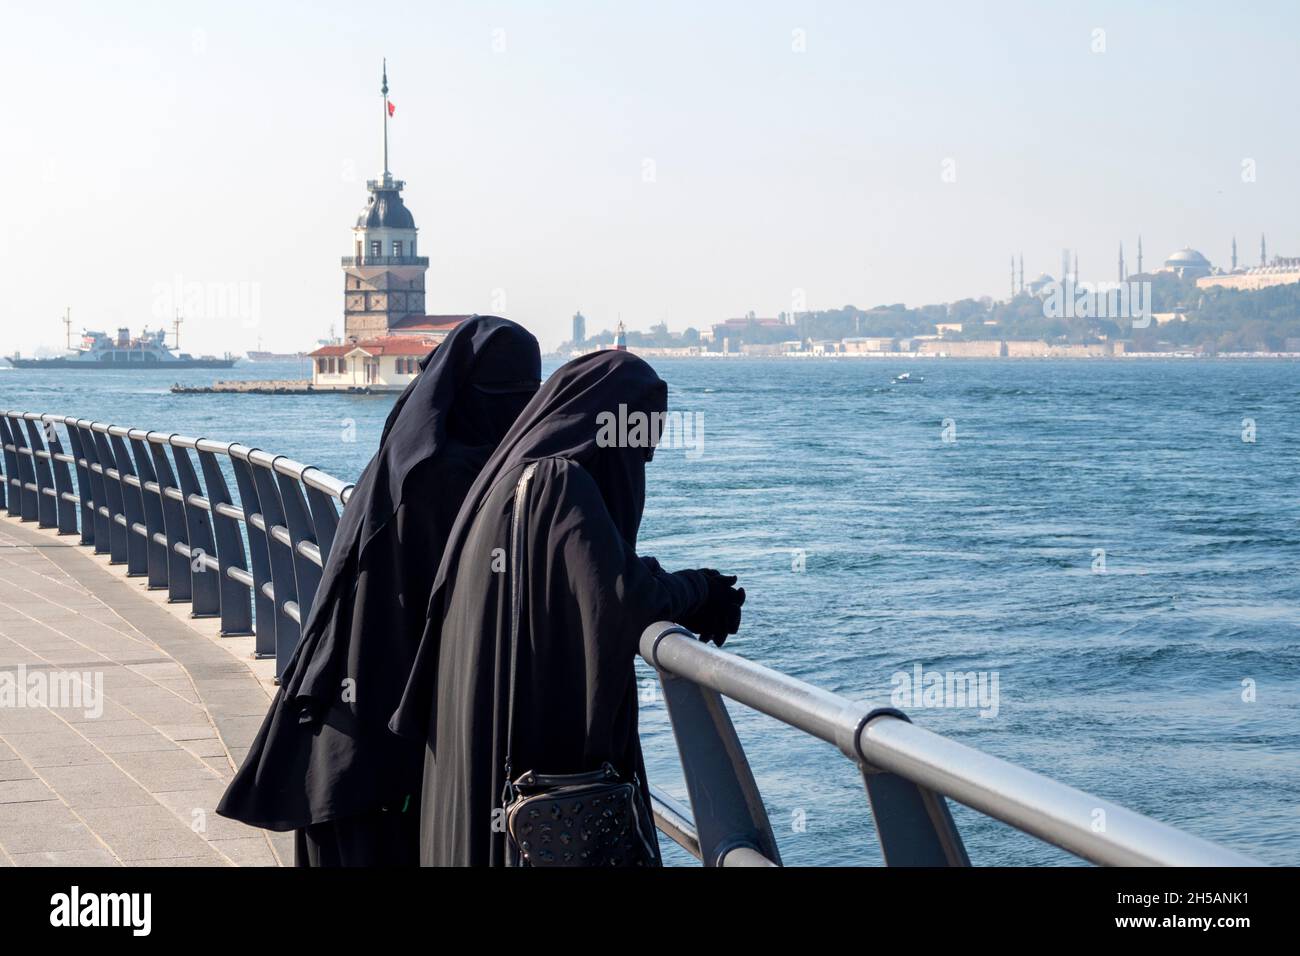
(132,366)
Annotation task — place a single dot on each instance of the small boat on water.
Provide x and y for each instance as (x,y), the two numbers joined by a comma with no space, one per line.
(907,378)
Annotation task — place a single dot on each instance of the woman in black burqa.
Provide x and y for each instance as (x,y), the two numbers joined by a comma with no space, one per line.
(585,598)
(324,762)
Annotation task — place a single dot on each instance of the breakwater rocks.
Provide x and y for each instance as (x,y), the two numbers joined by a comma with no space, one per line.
(267,387)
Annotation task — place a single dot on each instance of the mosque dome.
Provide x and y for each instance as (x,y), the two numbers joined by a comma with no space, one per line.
(1187,257)
(1039,283)
(1187,263)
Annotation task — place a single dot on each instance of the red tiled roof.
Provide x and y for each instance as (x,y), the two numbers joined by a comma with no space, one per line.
(385,345)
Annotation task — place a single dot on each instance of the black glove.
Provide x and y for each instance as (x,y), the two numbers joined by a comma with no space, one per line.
(719,613)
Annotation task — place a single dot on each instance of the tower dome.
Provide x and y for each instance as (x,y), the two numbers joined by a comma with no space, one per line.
(385,209)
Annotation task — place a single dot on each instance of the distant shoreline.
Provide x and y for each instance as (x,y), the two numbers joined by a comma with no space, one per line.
(919,356)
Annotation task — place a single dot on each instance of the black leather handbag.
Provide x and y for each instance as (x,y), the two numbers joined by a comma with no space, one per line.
(593,818)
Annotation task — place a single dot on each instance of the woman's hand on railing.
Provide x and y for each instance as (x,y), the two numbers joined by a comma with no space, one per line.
(719,614)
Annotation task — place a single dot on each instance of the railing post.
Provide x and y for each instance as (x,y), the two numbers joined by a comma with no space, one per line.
(728,809)
(913,823)
(205,591)
(13,500)
(29,496)
(118,534)
(99,483)
(307,575)
(137,533)
(85,488)
(66,502)
(232,566)
(151,500)
(173,511)
(265,620)
(47,500)
(287,630)
(324,516)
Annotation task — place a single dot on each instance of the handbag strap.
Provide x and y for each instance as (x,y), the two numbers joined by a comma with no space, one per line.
(516,570)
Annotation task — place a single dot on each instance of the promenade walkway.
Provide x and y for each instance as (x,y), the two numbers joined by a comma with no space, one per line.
(130,778)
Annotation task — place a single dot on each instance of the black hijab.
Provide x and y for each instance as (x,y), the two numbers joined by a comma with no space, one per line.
(561,421)
(585,595)
(322,755)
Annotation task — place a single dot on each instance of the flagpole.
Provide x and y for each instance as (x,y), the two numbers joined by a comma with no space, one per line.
(384,91)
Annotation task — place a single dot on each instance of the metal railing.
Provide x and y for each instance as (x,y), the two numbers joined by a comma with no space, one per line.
(257,563)
(140,499)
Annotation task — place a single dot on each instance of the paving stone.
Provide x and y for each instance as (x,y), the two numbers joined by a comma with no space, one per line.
(184,732)
(134,743)
(47,825)
(24,791)
(15,770)
(247,851)
(67,858)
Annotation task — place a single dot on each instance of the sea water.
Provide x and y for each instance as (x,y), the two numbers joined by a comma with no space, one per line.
(1111,547)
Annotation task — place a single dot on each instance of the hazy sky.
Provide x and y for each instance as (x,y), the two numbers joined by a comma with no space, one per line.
(793,146)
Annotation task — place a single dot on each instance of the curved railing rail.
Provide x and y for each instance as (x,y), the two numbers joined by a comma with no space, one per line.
(256,564)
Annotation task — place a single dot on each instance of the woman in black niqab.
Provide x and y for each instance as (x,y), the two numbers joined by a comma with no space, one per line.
(324,762)
(585,598)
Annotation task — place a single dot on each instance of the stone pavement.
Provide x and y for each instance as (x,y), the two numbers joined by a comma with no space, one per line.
(129,777)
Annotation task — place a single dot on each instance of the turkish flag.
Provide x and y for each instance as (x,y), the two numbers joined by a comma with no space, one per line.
(391,108)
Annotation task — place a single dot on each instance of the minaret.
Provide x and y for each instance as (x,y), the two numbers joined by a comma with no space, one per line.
(1139,253)
(1021,283)
(1121,261)
(1013,277)
(1263,251)
(383,280)
(1076,266)
(1234,253)
(1065,267)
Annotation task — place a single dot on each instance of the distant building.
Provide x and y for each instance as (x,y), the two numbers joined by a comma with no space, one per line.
(943,328)
(579,328)
(1040,284)
(863,344)
(980,349)
(385,328)
(1281,271)
(386,363)
(1187,263)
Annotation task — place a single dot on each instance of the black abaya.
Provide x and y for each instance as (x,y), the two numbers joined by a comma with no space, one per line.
(586,596)
(324,761)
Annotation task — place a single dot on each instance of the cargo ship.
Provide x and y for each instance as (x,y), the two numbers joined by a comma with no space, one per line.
(147,351)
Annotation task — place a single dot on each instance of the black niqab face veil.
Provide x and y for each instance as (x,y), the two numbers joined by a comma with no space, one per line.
(470,387)
(603,411)
(563,420)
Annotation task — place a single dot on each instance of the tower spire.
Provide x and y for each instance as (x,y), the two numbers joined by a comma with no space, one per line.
(1234,253)
(384,91)
(1139,253)
(1263,251)
(1121,261)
